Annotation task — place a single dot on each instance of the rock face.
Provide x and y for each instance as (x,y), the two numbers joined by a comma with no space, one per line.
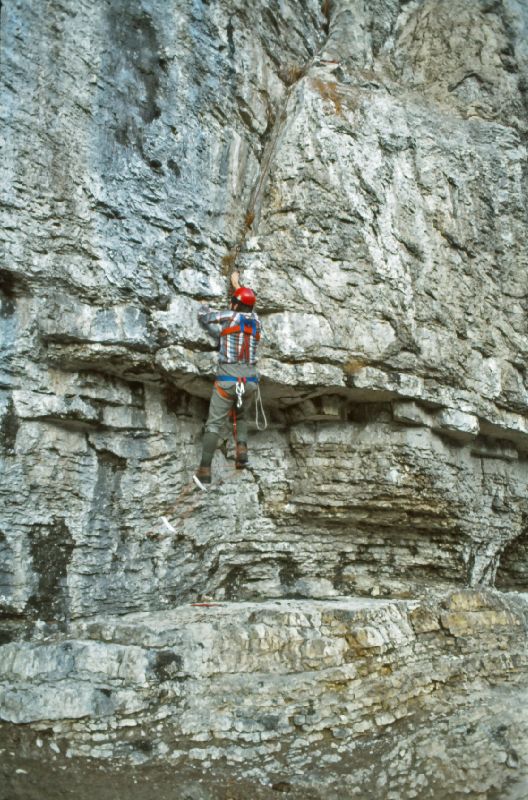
(345,698)
(364,165)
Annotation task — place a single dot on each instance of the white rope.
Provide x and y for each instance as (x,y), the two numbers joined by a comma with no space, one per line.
(262,413)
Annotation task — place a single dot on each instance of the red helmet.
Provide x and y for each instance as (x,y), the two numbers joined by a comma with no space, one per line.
(245,295)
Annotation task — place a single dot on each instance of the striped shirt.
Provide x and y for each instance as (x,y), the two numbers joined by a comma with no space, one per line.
(230,345)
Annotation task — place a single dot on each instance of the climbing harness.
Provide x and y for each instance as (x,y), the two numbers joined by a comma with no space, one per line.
(261,421)
(240,386)
(248,328)
(232,378)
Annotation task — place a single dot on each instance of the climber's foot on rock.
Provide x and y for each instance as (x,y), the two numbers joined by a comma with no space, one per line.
(241,458)
(202,478)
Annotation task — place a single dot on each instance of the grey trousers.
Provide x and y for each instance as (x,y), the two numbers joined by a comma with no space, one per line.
(220,406)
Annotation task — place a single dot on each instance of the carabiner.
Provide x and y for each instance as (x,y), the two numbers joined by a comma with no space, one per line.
(240,389)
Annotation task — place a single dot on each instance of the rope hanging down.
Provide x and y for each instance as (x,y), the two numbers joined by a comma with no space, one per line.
(258,401)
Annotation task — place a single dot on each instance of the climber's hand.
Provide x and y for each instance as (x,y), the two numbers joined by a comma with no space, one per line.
(235,279)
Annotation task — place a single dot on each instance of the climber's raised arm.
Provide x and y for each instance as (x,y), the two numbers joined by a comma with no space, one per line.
(212,320)
(235,280)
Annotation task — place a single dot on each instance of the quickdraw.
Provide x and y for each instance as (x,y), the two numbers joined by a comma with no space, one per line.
(240,392)
(240,386)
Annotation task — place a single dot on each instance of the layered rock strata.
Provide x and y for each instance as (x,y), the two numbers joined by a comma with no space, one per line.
(344,698)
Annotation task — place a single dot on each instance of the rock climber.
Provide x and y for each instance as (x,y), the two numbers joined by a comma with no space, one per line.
(239,332)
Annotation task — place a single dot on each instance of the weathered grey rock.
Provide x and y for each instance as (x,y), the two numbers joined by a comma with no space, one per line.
(364,165)
(274,691)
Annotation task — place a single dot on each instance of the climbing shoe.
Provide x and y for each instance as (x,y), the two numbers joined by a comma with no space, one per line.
(241,458)
(202,478)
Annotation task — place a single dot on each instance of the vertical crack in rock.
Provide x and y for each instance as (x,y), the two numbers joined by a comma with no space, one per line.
(7,294)
(512,571)
(105,503)
(6,577)
(51,548)
(8,428)
(278,117)
(8,340)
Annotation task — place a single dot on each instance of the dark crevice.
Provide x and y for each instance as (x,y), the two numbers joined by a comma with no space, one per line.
(136,65)
(12,286)
(326,10)
(9,425)
(51,547)
(512,571)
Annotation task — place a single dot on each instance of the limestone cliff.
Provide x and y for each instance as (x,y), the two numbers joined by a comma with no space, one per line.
(364,164)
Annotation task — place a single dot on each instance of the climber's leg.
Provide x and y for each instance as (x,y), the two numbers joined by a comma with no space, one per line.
(219,408)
